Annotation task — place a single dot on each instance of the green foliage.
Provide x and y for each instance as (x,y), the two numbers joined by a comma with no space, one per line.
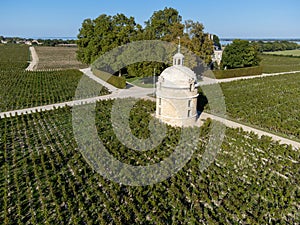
(55,42)
(197,41)
(163,24)
(270,103)
(240,54)
(24,89)
(249,71)
(98,36)
(118,82)
(14,57)
(145,69)
(216,41)
(45,179)
(103,34)
(276,46)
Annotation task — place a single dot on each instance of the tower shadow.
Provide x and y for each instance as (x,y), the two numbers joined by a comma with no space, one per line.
(201,103)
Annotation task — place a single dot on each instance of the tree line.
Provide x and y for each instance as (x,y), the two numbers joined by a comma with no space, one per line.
(272,46)
(106,32)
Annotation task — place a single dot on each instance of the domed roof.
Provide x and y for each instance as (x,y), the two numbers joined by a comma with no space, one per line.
(178,75)
(178,55)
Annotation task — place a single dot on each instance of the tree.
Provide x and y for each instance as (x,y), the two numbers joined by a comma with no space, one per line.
(103,34)
(199,42)
(240,54)
(216,41)
(164,25)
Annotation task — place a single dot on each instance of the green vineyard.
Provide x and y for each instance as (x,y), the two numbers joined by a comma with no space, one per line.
(271,103)
(275,64)
(14,57)
(25,89)
(45,180)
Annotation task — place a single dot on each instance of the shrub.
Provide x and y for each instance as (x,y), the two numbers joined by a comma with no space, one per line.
(118,82)
(248,71)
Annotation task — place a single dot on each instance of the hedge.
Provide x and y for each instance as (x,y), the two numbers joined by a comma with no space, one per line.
(249,71)
(289,56)
(118,82)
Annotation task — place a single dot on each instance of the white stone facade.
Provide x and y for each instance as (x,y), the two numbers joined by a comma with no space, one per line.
(217,56)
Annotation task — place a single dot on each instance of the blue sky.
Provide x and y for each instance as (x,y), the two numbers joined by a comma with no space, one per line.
(226,18)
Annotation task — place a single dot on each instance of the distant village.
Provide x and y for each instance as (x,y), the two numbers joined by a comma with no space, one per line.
(37,42)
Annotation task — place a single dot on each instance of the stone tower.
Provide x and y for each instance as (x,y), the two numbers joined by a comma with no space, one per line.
(176,94)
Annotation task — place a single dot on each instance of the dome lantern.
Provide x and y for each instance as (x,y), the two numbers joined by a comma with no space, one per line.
(178,58)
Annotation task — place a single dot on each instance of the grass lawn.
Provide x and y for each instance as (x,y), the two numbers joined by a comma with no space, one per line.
(58,58)
(144,82)
(275,64)
(287,52)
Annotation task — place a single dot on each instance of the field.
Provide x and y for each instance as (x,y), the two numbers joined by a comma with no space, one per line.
(275,64)
(271,103)
(14,57)
(45,180)
(58,58)
(287,52)
(25,89)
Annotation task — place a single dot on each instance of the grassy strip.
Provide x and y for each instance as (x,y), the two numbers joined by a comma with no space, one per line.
(294,53)
(118,82)
(144,82)
(250,71)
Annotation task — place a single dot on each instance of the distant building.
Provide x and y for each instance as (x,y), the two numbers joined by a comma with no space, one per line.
(34,42)
(176,94)
(28,43)
(217,56)
(67,45)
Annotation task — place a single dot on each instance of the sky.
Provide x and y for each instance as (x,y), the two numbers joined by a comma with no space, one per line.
(226,18)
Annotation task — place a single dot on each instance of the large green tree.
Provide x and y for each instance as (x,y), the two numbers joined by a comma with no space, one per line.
(107,32)
(239,54)
(103,34)
(198,41)
(164,25)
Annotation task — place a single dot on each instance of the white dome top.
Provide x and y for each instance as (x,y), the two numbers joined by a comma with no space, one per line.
(178,76)
(178,55)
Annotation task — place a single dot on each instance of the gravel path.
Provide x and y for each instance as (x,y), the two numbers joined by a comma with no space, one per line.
(34,60)
(138,92)
(260,133)
(207,81)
